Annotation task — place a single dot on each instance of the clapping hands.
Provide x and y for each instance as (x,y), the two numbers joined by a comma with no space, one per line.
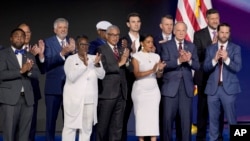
(184,56)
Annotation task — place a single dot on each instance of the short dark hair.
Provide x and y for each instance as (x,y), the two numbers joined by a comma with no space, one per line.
(168,17)
(133,14)
(81,37)
(211,11)
(15,30)
(144,36)
(223,24)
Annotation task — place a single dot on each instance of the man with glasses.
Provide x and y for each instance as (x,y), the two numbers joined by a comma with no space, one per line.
(112,96)
(82,72)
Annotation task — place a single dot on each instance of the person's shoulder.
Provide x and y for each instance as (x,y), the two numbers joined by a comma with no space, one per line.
(201,31)
(5,51)
(50,38)
(233,45)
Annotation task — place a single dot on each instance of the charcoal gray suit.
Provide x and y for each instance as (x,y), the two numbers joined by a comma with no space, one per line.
(17,107)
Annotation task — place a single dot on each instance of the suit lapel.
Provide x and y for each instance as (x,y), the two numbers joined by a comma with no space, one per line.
(13,58)
(207,36)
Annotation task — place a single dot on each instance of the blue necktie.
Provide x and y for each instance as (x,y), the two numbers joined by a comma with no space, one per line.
(21,51)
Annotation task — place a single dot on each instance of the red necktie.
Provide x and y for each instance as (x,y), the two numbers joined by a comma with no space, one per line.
(116,53)
(220,65)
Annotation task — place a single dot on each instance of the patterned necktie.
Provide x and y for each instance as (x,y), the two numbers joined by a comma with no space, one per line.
(214,36)
(62,43)
(220,66)
(116,53)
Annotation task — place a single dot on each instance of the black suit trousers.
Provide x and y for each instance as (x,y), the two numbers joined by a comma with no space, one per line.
(110,114)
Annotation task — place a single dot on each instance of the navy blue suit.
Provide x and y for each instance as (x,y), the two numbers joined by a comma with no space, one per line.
(55,79)
(202,40)
(177,89)
(226,93)
(93,47)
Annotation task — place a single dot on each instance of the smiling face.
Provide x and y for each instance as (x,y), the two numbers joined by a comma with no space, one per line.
(112,35)
(61,29)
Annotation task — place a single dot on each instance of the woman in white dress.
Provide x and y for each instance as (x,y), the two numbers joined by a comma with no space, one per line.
(80,92)
(145,93)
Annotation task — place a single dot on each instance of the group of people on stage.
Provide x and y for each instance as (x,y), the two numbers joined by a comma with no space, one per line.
(97,83)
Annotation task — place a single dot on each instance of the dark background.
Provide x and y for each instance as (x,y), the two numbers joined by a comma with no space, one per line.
(83,16)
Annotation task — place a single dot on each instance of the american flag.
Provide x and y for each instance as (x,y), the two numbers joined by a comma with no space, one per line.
(193,13)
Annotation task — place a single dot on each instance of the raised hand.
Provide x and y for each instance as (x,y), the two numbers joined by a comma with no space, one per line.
(161,65)
(41,46)
(97,58)
(133,47)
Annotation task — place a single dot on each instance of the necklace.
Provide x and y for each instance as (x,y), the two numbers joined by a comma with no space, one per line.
(147,56)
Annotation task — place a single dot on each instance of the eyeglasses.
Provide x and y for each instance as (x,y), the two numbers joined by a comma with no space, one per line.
(83,44)
(113,35)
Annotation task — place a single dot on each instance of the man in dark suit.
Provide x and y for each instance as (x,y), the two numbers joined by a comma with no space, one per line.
(57,48)
(112,97)
(202,39)
(132,42)
(177,89)
(17,67)
(37,50)
(166,26)
(101,28)
(223,61)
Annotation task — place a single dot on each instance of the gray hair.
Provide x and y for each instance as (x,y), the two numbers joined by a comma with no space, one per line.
(60,20)
(112,27)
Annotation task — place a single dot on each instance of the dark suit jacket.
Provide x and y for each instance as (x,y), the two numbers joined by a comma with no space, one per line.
(93,48)
(158,45)
(11,81)
(115,77)
(173,72)
(202,40)
(55,75)
(230,81)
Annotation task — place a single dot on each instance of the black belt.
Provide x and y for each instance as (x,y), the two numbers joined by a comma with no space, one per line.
(22,93)
(220,83)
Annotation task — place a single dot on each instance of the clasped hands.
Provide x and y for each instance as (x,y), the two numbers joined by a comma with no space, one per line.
(159,67)
(27,66)
(221,54)
(184,56)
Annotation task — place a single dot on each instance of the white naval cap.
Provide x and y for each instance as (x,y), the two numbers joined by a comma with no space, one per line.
(103,25)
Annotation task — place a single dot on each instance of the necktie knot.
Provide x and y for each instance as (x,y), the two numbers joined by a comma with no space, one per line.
(21,51)
(214,33)
(180,45)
